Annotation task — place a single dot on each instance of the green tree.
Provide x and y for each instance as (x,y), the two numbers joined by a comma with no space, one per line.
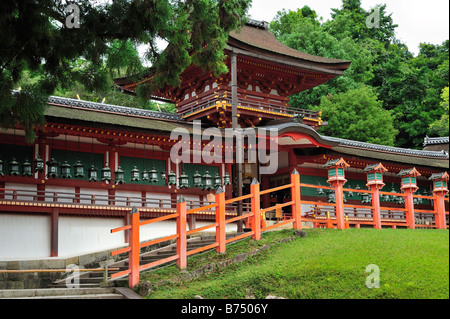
(34,36)
(441,127)
(358,115)
(307,35)
(351,21)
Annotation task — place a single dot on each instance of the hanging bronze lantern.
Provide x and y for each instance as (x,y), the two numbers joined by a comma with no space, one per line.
(226,179)
(163,176)
(14,167)
(197,180)
(184,180)
(93,174)
(217,181)
(26,169)
(120,176)
(366,198)
(38,164)
(207,181)
(78,169)
(145,176)
(135,174)
(320,191)
(153,175)
(172,178)
(65,170)
(106,173)
(52,168)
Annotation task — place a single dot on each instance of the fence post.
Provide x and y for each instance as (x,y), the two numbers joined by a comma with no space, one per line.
(336,178)
(181,231)
(440,189)
(409,186)
(376,209)
(133,239)
(329,223)
(295,196)
(220,220)
(409,206)
(374,184)
(256,209)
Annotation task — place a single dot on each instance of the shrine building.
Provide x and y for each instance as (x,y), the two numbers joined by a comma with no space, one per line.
(92,162)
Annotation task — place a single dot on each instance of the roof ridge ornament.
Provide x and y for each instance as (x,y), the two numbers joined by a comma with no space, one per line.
(258,23)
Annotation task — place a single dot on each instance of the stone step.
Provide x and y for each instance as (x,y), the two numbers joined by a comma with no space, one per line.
(89,296)
(49,292)
(80,285)
(95,278)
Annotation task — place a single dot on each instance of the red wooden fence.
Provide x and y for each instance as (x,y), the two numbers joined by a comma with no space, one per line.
(374,215)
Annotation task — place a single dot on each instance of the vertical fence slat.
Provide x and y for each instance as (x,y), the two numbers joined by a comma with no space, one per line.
(133,278)
(295,196)
(181,231)
(220,220)
(256,209)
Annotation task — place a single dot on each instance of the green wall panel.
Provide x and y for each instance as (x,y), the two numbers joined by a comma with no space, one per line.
(72,157)
(128,163)
(20,153)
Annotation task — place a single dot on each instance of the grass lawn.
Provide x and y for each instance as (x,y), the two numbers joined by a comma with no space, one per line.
(328,264)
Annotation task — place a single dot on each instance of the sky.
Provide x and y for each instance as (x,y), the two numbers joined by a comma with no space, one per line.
(418,21)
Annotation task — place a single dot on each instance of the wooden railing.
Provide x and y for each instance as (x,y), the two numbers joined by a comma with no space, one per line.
(256,105)
(220,224)
(330,215)
(81,201)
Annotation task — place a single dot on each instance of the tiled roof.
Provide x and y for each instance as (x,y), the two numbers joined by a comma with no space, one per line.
(74,103)
(435,140)
(356,144)
(257,34)
(391,149)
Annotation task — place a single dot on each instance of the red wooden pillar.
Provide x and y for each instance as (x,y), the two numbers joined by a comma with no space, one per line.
(374,184)
(295,197)
(440,189)
(41,175)
(409,186)
(54,232)
(133,260)
(409,206)
(256,209)
(220,220)
(336,178)
(181,231)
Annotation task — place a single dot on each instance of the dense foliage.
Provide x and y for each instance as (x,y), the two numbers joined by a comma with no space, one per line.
(408,88)
(41,44)
(41,55)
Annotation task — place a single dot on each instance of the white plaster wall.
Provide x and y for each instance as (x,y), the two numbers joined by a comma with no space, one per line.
(23,236)
(99,194)
(167,228)
(20,187)
(153,199)
(62,198)
(28,236)
(78,235)
(135,198)
(157,230)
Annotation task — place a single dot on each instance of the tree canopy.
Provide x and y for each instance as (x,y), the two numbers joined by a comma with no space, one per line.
(407,88)
(36,39)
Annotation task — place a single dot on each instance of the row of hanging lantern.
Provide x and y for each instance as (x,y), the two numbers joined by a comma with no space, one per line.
(55,170)
(14,168)
(205,182)
(367,197)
